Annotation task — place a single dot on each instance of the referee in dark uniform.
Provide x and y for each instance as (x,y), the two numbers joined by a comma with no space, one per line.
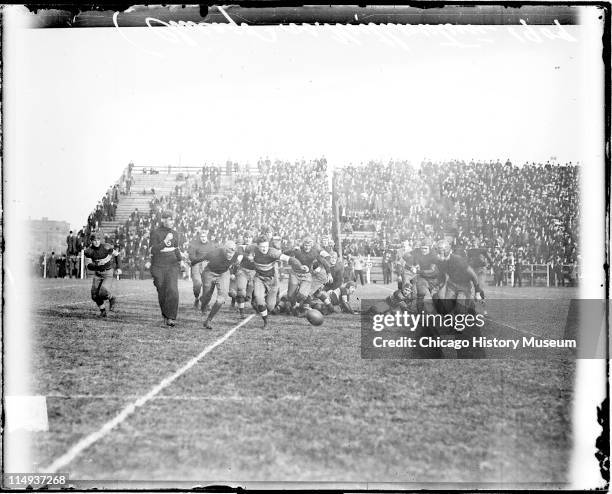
(165,263)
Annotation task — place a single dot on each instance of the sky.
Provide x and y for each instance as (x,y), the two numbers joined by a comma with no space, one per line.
(89,101)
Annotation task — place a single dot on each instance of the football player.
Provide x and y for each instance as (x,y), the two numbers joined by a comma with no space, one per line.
(265,281)
(456,293)
(428,278)
(102,257)
(338,297)
(245,274)
(197,248)
(301,282)
(337,272)
(479,260)
(400,300)
(217,274)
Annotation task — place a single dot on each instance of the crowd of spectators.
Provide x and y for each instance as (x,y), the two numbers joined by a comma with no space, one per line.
(524,214)
(105,209)
(529,212)
(292,199)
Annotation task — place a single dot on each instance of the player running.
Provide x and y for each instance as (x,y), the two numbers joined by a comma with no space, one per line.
(336,270)
(428,278)
(245,273)
(406,265)
(217,274)
(102,256)
(197,248)
(479,259)
(456,293)
(265,281)
(301,281)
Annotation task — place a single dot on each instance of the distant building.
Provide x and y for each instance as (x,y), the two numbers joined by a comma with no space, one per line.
(48,235)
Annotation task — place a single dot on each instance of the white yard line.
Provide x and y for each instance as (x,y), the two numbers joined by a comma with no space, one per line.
(513,328)
(84,443)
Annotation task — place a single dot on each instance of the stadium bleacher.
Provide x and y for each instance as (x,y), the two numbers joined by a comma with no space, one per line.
(527,212)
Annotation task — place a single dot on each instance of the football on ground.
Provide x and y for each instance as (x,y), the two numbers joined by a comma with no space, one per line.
(314,317)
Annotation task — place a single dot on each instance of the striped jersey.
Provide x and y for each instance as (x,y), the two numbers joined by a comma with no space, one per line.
(102,257)
(264,264)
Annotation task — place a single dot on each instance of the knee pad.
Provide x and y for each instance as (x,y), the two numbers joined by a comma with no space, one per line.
(103,293)
(300,297)
(260,307)
(239,297)
(220,300)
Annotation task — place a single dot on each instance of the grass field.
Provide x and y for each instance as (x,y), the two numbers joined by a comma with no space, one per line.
(294,403)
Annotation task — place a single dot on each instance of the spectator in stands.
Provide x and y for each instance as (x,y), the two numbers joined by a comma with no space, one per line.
(486,205)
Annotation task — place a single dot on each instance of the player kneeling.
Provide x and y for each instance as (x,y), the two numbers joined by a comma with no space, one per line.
(339,297)
(399,301)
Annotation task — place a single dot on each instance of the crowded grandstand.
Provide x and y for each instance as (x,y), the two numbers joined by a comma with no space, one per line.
(525,217)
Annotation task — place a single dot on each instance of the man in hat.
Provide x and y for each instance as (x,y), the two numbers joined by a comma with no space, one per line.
(101,256)
(165,263)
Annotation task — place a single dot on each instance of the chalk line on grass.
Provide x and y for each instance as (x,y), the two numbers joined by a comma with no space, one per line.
(84,443)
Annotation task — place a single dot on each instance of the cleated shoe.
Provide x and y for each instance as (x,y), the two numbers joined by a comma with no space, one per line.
(102,312)
(207,324)
(170,322)
(112,304)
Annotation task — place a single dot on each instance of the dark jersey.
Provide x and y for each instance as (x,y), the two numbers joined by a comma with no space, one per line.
(164,247)
(397,298)
(478,258)
(428,266)
(263,263)
(247,257)
(102,257)
(457,269)
(218,262)
(197,249)
(338,295)
(410,259)
(308,258)
(337,271)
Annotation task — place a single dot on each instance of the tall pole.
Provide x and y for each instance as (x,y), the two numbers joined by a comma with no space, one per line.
(336,213)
